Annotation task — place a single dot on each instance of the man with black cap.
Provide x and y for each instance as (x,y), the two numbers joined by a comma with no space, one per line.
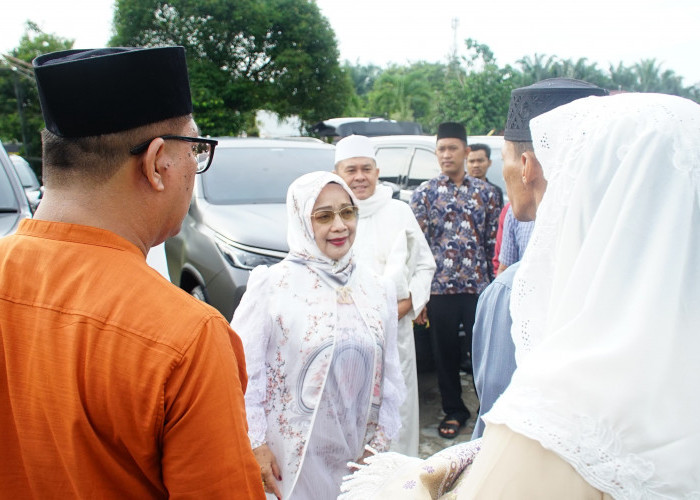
(117,383)
(492,347)
(390,241)
(459,217)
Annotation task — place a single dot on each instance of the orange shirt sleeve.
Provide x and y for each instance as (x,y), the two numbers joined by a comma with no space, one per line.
(206,450)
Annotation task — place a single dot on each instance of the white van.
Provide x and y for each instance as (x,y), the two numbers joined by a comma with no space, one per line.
(409,160)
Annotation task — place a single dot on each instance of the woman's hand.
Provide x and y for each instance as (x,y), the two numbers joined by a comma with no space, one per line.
(366,454)
(269,469)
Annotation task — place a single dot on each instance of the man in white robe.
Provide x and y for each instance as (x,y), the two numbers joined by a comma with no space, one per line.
(390,240)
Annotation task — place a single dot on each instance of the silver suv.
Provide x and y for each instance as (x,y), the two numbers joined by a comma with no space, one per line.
(237,218)
(14,205)
(30,182)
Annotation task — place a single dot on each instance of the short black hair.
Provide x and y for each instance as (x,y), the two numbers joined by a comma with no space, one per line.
(96,158)
(481,147)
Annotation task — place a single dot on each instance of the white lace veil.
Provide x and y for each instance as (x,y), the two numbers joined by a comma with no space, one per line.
(301,196)
(606,304)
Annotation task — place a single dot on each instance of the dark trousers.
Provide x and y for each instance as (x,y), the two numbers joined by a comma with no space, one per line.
(445,313)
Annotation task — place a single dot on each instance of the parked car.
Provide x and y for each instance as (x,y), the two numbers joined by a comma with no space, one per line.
(29,180)
(14,205)
(237,217)
(370,127)
(409,160)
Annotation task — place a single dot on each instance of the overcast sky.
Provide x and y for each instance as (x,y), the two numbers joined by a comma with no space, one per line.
(403,31)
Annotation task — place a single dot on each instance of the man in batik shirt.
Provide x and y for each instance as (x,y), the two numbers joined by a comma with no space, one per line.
(459,217)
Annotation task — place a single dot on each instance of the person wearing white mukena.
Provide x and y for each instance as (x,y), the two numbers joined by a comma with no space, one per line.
(390,240)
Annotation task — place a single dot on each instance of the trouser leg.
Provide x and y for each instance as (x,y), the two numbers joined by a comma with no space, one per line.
(445,315)
(468,309)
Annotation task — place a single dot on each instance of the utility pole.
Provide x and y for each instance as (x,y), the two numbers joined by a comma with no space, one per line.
(455,25)
(453,62)
(20,68)
(19,95)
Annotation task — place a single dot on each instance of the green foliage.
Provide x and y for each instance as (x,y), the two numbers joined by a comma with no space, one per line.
(245,55)
(402,94)
(644,76)
(20,112)
(476,94)
(363,77)
(475,90)
(281,55)
(647,76)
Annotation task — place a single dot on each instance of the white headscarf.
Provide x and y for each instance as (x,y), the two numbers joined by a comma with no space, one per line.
(606,304)
(301,198)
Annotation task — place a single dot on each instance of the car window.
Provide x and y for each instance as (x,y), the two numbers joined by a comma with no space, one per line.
(392,163)
(25,172)
(8,200)
(423,167)
(260,175)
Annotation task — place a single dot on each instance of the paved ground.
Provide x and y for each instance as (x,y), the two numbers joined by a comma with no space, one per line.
(431,413)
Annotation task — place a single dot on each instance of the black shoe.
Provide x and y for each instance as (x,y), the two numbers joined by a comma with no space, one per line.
(466,366)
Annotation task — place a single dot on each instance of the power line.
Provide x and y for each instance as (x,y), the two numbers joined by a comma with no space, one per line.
(18,65)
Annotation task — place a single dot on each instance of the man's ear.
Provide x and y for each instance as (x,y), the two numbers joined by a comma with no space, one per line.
(154,163)
(532,169)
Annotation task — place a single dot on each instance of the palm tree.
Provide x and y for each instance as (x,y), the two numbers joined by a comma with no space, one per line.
(623,77)
(537,68)
(648,77)
(397,93)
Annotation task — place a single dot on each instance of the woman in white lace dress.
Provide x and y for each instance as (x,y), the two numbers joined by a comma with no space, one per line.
(320,341)
(606,304)
(606,322)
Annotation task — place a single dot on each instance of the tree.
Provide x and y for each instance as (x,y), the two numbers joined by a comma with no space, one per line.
(401,93)
(535,68)
(363,77)
(20,112)
(581,70)
(648,76)
(477,94)
(622,77)
(245,55)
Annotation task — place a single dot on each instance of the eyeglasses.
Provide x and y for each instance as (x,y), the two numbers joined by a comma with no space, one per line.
(202,149)
(347,214)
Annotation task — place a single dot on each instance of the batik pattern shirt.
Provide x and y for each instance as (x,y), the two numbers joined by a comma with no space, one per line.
(460,225)
(516,235)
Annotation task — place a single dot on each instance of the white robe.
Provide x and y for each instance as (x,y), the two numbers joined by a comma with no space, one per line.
(605,304)
(390,240)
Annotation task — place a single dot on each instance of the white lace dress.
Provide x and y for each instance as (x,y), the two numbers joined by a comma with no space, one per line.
(606,303)
(324,377)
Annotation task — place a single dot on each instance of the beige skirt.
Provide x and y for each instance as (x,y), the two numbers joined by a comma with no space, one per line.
(511,466)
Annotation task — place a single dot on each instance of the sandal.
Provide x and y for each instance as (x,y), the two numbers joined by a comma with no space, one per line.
(449,428)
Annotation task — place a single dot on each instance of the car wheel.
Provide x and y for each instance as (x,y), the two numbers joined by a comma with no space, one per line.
(198,293)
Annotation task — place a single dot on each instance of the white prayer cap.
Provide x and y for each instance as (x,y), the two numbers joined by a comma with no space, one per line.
(353,146)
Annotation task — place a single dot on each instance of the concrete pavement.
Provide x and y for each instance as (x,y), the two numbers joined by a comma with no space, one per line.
(431,413)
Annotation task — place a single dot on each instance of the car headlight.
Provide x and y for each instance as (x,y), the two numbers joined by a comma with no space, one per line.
(245,257)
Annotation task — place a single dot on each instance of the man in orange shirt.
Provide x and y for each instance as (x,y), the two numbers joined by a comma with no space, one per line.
(113,382)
